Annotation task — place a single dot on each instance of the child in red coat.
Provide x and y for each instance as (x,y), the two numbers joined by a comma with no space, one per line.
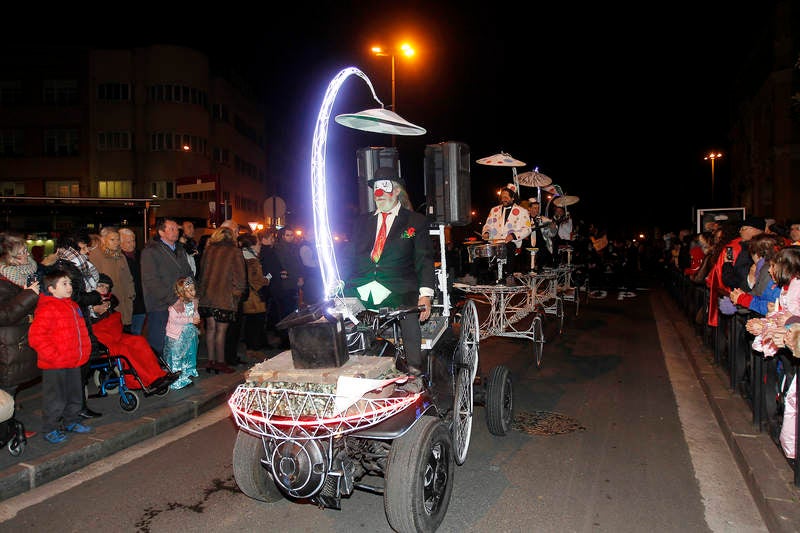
(60,337)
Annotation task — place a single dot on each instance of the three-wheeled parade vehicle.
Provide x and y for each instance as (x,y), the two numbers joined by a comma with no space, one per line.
(338,412)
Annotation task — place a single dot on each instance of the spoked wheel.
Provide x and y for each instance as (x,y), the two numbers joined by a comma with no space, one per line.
(419,477)
(560,314)
(129,401)
(250,474)
(538,340)
(466,368)
(499,401)
(102,375)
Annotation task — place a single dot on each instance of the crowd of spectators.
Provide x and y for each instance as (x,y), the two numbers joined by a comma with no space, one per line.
(273,270)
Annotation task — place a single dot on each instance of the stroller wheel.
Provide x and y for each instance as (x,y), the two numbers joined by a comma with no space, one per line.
(15,446)
(101,376)
(161,392)
(129,401)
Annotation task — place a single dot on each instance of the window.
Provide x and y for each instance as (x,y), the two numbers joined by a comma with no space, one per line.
(60,92)
(12,188)
(10,92)
(115,188)
(114,92)
(61,142)
(162,189)
(11,143)
(221,155)
(220,112)
(177,93)
(63,189)
(167,141)
(113,140)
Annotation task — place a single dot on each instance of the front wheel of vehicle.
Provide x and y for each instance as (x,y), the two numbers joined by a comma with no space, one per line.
(250,474)
(419,477)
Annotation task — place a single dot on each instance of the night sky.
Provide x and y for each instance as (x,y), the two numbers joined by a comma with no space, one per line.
(618,105)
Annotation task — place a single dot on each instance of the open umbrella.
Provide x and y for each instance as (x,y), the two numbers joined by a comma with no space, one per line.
(534,178)
(503,160)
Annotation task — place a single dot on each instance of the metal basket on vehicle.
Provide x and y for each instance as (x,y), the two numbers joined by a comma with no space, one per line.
(301,415)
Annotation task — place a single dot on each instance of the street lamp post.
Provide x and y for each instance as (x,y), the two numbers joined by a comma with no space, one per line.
(713,156)
(406,50)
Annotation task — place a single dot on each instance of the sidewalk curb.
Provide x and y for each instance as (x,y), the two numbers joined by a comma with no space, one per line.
(761,462)
(112,438)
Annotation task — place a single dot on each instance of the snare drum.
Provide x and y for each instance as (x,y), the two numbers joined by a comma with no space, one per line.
(487,250)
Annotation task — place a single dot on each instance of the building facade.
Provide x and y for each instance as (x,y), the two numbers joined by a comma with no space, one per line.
(765,136)
(152,124)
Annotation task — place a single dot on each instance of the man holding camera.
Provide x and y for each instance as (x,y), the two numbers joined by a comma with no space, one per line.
(736,265)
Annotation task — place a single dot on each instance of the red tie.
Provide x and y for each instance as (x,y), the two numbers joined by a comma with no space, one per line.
(380,240)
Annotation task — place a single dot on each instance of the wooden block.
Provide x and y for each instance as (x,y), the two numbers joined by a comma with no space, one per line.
(281,368)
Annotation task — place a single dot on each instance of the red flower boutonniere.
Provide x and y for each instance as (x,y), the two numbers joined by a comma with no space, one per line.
(409,233)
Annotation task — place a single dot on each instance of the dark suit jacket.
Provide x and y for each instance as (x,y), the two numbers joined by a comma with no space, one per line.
(405,265)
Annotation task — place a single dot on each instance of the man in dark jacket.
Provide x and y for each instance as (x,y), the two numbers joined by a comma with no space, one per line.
(390,263)
(163,261)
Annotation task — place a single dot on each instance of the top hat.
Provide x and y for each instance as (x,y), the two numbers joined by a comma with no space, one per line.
(386,173)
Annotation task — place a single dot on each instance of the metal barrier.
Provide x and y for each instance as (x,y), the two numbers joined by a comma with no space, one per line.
(751,375)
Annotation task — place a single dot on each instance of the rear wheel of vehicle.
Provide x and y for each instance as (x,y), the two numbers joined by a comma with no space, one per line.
(419,477)
(250,474)
(102,375)
(129,401)
(499,401)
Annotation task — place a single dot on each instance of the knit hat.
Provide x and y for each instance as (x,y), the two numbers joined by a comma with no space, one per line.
(105,278)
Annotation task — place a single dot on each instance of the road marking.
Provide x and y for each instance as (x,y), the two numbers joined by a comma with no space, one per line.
(12,506)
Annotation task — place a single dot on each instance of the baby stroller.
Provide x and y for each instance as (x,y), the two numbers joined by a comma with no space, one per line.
(12,432)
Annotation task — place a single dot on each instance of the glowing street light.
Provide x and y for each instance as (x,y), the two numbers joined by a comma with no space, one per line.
(404,49)
(713,156)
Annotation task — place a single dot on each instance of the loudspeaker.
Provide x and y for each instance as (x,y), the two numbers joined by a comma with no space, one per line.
(447,183)
(371,159)
(319,344)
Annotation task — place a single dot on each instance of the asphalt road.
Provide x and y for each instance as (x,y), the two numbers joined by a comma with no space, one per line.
(615,435)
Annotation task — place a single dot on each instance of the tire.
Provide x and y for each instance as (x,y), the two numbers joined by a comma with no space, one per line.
(560,314)
(251,476)
(161,392)
(129,401)
(538,340)
(15,446)
(419,477)
(499,401)
(100,375)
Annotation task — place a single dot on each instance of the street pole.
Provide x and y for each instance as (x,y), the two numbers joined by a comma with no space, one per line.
(394,102)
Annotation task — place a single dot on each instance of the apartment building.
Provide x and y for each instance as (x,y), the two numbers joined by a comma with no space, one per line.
(96,137)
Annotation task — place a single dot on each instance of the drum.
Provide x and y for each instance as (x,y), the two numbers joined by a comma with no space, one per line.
(487,250)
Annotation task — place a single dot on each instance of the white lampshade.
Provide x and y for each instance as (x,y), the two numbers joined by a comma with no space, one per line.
(379,121)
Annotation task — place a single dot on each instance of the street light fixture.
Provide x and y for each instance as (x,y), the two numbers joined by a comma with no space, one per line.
(404,49)
(713,156)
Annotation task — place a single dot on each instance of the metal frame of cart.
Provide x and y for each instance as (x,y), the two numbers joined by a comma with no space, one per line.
(507,306)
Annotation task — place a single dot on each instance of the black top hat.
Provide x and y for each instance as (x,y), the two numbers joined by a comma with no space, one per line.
(754,222)
(386,173)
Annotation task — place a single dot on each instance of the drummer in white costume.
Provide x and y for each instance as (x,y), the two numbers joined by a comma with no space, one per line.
(511,224)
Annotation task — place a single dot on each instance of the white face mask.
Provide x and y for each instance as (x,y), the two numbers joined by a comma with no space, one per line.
(384,185)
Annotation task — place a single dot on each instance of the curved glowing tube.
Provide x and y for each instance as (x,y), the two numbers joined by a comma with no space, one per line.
(331,282)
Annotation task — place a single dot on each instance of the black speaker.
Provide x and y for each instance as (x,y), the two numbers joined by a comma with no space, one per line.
(447,183)
(318,344)
(371,159)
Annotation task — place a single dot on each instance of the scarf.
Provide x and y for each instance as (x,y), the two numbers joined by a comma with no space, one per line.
(88,270)
(18,274)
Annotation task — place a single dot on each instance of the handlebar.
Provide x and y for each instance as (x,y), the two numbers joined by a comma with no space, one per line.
(400,313)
